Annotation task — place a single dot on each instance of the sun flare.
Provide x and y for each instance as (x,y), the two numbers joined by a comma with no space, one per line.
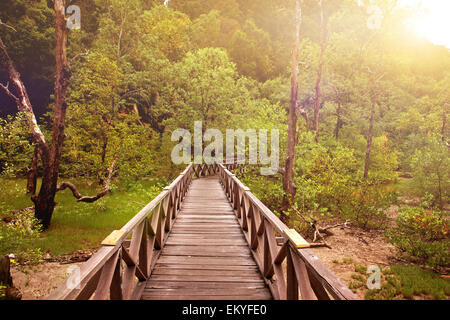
(432,20)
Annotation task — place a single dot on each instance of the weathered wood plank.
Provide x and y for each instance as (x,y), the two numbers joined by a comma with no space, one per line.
(206,291)
(205,232)
(202,272)
(206,267)
(183,217)
(206,255)
(207,235)
(207,297)
(151,284)
(234,261)
(206,251)
(194,242)
(206,278)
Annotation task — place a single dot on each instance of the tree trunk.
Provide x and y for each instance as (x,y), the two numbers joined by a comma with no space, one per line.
(444,121)
(288,177)
(44,202)
(323,47)
(338,122)
(50,156)
(10,292)
(370,135)
(33,173)
(441,203)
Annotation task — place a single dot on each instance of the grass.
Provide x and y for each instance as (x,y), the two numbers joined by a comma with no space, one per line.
(415,281)
(403,282)
(75,225)
(347,261)
(405,187)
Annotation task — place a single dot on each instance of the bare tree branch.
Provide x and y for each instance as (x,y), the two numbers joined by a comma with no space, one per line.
(81,54)
(9,93)
(22,100)
(89,199)
(7,25)
(318,231)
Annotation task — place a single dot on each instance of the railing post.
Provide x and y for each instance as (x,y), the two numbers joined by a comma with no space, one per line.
(291,279)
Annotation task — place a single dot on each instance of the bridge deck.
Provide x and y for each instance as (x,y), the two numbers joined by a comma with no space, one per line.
(206,256)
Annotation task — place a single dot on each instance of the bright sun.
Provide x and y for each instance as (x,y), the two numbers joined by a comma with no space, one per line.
(432,21)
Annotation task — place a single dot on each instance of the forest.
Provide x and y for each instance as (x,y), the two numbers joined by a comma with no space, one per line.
(360,102)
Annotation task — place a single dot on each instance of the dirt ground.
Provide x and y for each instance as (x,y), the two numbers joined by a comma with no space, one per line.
(350,248)
(353,247)
(37,282)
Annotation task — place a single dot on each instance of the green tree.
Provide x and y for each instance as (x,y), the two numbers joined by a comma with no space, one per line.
(16,148)
(251,49)
(430,169)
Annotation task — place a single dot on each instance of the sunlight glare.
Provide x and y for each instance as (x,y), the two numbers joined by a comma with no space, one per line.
(432,20)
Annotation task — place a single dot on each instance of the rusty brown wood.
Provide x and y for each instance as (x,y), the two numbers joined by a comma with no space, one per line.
(206,253)
(291,279)
(208,238)
(102,275)
(305,272)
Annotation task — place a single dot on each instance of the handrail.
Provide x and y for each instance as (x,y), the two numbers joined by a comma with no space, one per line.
(304,271)
(102,276)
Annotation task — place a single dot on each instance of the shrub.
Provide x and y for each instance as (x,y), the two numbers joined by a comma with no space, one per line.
(423,236)
(268,189)
(367,206)
(18,232)
(401,281)
(329,182)
(15,148)
(430,170)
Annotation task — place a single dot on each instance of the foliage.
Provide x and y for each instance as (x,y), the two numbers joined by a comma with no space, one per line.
(108,127)
(15,148)
(329,182)
(367,206)
(408,282)
(269,191)
(31,47)
(251,49)
(75,226)
(18,233)
(166,31)
(430,169)
(423,236)
(152,69)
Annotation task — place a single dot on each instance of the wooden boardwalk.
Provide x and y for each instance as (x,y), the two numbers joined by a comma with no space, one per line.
(203,239)
(206,256)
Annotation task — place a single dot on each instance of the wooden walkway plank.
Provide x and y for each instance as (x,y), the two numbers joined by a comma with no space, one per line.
(206,256)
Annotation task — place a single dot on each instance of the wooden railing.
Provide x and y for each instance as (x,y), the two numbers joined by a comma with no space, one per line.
(272,243)
(203,170)
(119,269)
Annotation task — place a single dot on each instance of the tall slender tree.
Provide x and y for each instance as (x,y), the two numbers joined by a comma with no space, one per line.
(323,47)
(288,176)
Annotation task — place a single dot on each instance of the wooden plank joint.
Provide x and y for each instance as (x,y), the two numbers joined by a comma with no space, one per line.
(112,239)
(296,238)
